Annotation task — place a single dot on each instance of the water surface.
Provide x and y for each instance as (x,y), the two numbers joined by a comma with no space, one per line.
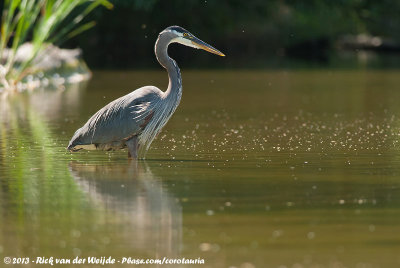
(255,169)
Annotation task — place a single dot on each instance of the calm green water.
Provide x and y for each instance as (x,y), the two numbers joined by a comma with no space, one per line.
(255,169)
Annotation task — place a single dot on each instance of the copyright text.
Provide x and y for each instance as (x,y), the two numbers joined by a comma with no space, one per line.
(100,260)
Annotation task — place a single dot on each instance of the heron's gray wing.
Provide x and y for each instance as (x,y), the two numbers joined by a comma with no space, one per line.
(120,119)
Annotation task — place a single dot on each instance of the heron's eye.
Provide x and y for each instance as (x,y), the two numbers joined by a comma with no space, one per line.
(185,34)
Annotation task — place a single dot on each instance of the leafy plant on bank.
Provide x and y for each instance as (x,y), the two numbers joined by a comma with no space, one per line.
(42,22)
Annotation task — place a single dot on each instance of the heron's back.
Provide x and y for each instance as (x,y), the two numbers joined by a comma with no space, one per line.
(119,120)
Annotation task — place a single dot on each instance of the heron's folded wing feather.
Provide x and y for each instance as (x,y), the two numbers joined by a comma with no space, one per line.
(120,119)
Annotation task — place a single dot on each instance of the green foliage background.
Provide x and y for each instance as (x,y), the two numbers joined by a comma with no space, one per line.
(246,31)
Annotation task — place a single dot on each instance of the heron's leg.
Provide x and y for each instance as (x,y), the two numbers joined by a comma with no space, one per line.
(132,147)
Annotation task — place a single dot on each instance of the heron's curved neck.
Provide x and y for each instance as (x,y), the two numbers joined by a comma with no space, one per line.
(174,74)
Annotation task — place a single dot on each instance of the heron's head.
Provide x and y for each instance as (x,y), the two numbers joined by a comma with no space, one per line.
(184,37)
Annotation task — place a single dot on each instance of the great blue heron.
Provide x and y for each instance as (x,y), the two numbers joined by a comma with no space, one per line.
(135,119)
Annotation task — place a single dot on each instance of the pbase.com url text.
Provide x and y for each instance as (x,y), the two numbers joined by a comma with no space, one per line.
(99,260)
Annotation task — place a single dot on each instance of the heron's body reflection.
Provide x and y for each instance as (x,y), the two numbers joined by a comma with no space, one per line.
(136,201)
(115,209)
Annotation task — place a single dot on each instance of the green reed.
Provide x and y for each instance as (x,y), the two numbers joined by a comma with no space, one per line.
(41,22)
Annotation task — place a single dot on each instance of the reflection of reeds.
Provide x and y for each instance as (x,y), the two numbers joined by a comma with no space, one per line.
(48,21)
(36,185)
(27,151)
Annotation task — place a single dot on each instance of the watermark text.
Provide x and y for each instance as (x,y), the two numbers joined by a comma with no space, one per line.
(103,260)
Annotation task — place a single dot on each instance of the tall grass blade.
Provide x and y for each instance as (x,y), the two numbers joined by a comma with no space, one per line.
(41,19)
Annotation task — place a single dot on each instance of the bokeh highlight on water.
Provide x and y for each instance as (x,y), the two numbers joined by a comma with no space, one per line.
(255,169)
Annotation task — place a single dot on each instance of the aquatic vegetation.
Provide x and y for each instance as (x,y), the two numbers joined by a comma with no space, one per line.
(42,23)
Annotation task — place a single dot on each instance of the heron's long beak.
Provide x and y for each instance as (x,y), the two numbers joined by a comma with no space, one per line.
(203,45)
